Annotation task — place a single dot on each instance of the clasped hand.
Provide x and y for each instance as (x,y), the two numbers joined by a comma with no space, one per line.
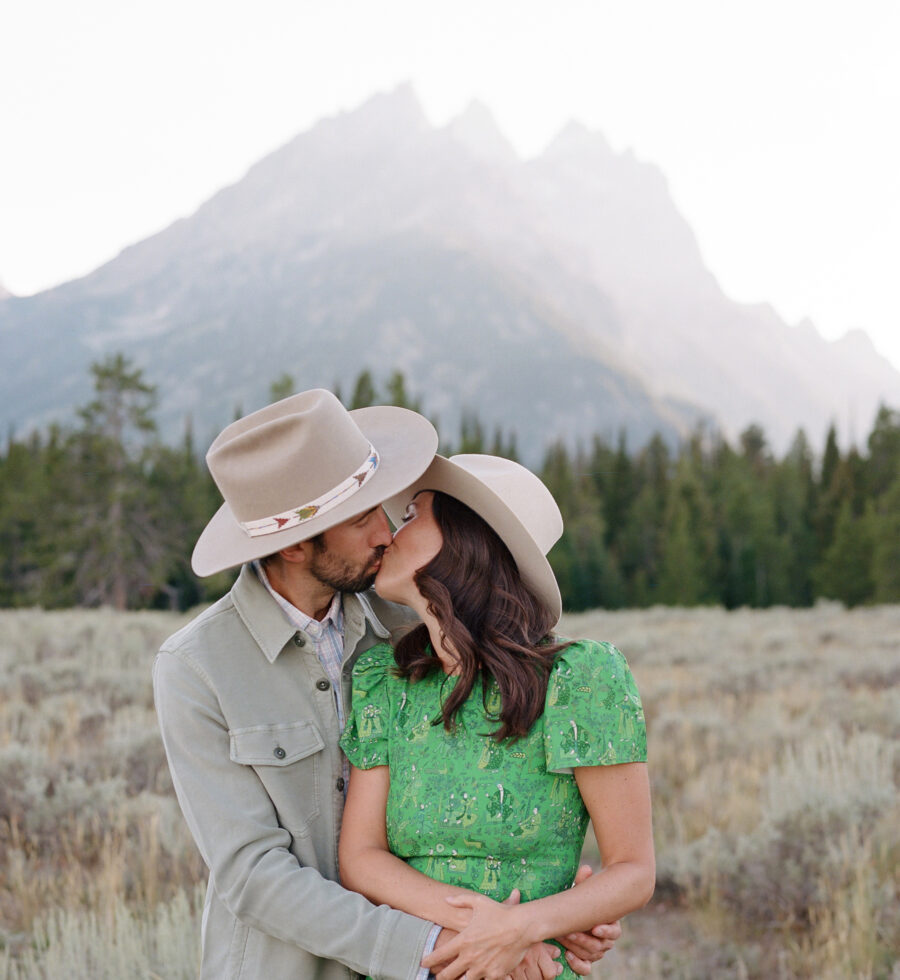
(495,944)
(491,946)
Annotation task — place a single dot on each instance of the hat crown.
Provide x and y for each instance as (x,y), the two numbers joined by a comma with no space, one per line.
(521,491)
(286,454)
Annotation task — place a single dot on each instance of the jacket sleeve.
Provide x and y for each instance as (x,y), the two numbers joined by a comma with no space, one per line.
(254,873)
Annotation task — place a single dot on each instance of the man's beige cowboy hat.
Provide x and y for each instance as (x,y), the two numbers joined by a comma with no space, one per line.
(302,465)
(509,498)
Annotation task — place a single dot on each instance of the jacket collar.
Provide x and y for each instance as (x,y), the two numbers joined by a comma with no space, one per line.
(270,628)
(358,611)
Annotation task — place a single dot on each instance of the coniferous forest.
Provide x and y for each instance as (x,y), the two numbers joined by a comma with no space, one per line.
(101,512)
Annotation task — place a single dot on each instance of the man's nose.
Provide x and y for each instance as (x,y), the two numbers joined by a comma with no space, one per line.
(381,530)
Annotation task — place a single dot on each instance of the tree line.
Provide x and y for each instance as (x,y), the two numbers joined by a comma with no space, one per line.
(102,512)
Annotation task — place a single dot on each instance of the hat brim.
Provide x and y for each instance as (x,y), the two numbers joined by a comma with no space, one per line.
(444,475)
(406,443)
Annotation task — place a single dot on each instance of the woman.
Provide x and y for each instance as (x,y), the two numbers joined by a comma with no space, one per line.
(482,745)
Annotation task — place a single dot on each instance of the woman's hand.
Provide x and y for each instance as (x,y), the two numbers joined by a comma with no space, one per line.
(585,948)
(539,963)
(490,947)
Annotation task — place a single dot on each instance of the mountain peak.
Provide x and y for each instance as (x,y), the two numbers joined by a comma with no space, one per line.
(398,108)
(476,129)
(4,292)
(856,342)
(576,138)
(383,123)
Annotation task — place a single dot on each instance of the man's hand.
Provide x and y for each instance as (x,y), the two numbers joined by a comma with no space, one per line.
(491,946)
(585,948)
(444,937)
(539,963)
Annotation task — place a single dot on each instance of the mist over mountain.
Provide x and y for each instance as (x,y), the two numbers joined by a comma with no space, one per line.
(559,296)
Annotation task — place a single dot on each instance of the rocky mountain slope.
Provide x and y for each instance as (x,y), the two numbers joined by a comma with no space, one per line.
(560,296)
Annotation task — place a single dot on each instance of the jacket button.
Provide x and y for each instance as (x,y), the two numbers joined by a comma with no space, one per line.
(300,640)
(340,784)
(322,684)
(279,752)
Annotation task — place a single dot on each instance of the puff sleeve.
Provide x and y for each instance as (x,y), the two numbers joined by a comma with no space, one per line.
(593,714)
(365,741)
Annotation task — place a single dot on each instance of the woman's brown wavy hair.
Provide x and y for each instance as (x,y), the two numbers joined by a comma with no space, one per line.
(497,625)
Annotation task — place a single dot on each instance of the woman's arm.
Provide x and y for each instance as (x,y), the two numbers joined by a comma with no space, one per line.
(368,867)
(618,801)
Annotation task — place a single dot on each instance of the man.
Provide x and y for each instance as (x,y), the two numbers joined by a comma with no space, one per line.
(251,694)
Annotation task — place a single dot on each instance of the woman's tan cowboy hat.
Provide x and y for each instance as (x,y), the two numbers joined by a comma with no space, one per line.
(302,465)
(509,498)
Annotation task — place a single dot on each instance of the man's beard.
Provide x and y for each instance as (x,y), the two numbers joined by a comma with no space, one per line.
(340,574)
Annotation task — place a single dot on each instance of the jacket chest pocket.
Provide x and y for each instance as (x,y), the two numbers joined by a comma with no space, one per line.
(289,759)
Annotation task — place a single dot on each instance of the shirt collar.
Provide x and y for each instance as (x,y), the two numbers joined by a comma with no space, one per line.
(299,619)
(334,617)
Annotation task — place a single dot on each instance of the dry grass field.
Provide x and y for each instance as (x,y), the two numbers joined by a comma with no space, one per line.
(775,766)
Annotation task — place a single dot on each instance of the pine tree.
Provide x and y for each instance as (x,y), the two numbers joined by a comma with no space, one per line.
(794,499)
(282,387)
(830,459)
(752,556)
(117,546)
(471,434)
(398,395)
(504,446)
(619,495)
(25,496)
(639,550)
(886,556)
(755,450)
(846,571)
(586,571)
(688,565)
(834,487)
(182,496)
(883,465)
(363,391)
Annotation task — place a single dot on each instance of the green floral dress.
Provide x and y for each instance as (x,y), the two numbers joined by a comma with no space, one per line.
(491,817)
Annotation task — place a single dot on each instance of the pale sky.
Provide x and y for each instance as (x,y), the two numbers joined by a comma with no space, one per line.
(774,121)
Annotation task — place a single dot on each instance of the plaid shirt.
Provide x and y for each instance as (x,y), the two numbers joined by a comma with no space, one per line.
(327,635)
